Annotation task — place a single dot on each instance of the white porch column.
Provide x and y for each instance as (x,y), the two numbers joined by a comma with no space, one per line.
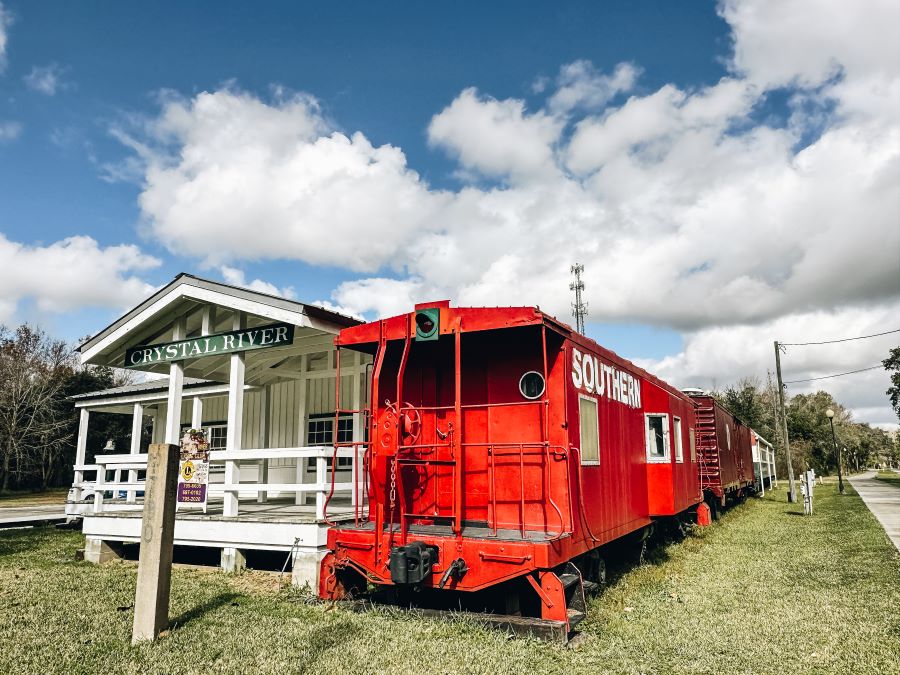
(81,450)
(300,497)
(196,412)
(137,425)
(235,421)
(265,438)
(176,383)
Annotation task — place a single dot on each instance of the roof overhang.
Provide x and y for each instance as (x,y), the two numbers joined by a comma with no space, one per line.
(186,297)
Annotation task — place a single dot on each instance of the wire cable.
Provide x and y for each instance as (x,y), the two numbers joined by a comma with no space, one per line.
(829,342)
(826,377)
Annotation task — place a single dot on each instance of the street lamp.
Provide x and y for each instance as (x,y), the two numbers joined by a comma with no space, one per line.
(830,415)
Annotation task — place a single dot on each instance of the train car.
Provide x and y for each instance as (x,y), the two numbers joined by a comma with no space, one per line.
(504,447)
(725,452)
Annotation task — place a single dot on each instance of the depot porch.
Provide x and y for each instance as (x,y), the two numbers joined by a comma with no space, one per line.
(269,414)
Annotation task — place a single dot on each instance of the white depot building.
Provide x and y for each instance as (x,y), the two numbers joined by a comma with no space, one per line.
(268,405)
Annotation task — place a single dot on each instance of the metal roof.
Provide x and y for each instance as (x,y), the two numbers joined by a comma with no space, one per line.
(161,384)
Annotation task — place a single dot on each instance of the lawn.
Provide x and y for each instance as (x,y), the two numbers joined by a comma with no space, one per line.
(764,590)
(29,498)
(891,477)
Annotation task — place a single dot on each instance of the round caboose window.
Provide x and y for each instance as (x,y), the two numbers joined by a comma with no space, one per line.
(532,385)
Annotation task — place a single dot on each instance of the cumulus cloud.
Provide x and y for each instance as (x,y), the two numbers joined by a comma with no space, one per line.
(271,179)
(69,274)
(687,210)
(5,23)
(45,79)
(496,138)
(581,85)
(9,130)
(236,277)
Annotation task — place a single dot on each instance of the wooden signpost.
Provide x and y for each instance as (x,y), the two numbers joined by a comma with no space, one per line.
(154,581)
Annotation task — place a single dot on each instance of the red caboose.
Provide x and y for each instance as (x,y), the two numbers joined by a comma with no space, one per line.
(502,445)
(725,452)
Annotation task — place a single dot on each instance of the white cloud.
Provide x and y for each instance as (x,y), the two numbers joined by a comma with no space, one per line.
(70,274)
(236,277)
(45,79)
(5,22)
(685,208)
(272,180)
(9,130)
(581,85)
(496,138)
(713,357)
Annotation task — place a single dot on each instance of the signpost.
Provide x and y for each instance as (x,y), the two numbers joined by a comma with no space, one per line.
(245,339)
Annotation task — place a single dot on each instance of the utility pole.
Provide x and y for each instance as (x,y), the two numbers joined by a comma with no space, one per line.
(792,495)
(579,308)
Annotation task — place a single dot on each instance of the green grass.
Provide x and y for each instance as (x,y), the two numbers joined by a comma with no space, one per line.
(764,590)
(889,477)
(30,498)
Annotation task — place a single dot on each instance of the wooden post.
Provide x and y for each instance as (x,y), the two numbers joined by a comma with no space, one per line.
(154,580)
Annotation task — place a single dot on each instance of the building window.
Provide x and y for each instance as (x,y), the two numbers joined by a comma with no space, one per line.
(320,431)
(590,430)
(679,450)
(657,438)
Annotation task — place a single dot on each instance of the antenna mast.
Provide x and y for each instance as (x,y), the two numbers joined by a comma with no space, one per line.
(579,308)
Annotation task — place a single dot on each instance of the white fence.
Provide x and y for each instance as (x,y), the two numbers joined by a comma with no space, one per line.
(120,465)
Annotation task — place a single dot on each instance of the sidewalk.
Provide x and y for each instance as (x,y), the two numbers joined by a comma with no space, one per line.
(883,500)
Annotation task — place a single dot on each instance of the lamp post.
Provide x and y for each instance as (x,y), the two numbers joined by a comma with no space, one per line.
(830,415)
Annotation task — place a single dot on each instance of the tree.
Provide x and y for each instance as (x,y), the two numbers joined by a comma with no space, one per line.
(33,414)
(892,365)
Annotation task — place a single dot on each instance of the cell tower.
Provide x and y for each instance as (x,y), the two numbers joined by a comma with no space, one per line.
(579,308)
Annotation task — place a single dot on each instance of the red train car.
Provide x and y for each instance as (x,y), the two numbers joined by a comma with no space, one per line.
(725,450)
(504,446)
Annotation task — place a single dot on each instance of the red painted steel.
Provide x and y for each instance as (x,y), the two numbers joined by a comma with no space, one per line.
(725,449)
(459,459)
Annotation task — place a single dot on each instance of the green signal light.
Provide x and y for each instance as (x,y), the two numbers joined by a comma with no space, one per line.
(427,323)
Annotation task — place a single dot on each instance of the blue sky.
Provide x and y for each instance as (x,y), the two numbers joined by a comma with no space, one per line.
(382,69)
(369,155)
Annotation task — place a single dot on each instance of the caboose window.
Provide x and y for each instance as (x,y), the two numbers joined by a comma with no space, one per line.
(679,450)
(531,385)
(590,430)
(657,438)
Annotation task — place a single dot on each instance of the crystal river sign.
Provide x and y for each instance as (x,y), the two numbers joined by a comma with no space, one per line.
(261,337)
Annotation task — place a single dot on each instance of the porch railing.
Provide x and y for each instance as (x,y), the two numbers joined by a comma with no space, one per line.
(128,465)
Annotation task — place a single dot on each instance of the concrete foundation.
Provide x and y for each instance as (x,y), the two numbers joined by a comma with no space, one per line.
(307,563)
(99,551)
(233,560)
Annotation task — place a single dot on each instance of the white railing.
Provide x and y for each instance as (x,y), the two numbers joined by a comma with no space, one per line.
(130,464)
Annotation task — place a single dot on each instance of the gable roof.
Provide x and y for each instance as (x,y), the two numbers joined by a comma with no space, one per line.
(185,279)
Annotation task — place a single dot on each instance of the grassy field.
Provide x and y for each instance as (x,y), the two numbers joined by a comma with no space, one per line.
(29,498)
(764,590)
(889,477)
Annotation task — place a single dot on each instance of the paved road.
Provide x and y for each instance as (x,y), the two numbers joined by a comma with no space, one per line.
(24,515)
(883,499)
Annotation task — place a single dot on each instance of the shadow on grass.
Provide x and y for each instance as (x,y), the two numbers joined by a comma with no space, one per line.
(200,610)
(321,640)
(15,541)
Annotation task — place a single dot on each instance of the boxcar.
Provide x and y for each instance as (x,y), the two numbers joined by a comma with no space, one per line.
(725,452)
(504,446)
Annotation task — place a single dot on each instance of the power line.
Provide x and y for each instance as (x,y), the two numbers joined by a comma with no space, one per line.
(829,342)
(825,377)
